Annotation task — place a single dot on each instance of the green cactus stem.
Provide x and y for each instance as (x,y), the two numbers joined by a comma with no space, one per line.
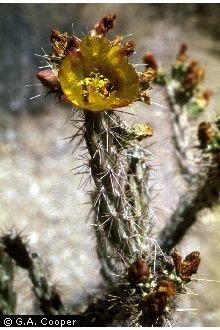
(122,196)
(181,133)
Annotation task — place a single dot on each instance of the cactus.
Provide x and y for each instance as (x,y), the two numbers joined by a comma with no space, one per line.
(121,183)
(143,275)
(15,249)
(7,295)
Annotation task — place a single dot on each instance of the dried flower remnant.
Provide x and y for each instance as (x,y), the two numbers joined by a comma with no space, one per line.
(159,77)
(144,80)
(103,26)
(142,131)
(167,287)
(150,60)
(185,268)
(190,265)
(59,43)
(128,48)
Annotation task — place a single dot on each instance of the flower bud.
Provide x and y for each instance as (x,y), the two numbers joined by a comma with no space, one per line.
(138,271)
(205,133)
(151,61)
(182,56)
(49,78)
(73,43)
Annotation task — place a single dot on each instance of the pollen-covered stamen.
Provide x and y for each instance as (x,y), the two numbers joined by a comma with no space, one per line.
(96,83)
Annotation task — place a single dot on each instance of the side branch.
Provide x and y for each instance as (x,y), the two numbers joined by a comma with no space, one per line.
(47,295)
(204,191)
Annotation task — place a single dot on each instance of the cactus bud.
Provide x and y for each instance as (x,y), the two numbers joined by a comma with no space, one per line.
(49,78)
(204,133)
(154,304)
(138,271)
(182,56)
(150,60)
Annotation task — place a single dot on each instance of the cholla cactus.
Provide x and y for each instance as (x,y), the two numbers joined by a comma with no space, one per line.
(197,154)
(186,102)
(142,279)
(7,296)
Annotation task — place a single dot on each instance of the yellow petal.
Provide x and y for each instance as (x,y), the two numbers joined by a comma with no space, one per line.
(98,76)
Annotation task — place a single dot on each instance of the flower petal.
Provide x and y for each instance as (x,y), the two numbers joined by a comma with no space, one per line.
(83,72)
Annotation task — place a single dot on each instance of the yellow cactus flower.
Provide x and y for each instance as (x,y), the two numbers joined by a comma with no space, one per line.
(98,77)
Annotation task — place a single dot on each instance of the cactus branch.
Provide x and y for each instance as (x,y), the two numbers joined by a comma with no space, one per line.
(122,195)
(47,295)
(7,296)
(180,137)
(203,191)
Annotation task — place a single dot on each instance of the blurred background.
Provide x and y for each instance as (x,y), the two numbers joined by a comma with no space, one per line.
(41,196)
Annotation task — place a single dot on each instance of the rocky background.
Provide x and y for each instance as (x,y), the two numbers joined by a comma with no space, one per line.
(42,197)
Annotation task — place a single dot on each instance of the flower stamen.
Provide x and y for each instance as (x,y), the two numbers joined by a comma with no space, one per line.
(96,83)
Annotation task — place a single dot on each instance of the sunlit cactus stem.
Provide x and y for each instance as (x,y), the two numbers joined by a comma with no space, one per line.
(121,199)
(138,175)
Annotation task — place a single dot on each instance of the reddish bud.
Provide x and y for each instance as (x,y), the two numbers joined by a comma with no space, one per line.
(150,60)
(49,78)
(207,93)
(182,56)
(155,303)
(205,133)
(73,43)
(138,271)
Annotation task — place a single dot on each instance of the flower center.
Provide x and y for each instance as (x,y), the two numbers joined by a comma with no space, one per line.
(96,83)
